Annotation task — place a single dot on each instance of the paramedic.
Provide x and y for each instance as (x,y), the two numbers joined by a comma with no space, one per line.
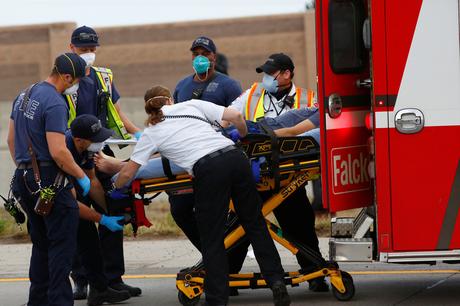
(36,133)
(85,137)
(209,85)
(274,96)
(205,153)
(99,96)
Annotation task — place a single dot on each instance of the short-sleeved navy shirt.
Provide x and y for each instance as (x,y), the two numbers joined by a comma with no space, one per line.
(87,94)
(84,160)
(222,90)
(46,112)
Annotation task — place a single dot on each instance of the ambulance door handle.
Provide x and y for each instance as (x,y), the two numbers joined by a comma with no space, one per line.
(409,121)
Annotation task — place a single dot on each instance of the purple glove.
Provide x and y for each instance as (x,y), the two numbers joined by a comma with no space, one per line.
(234,135)
(118,194)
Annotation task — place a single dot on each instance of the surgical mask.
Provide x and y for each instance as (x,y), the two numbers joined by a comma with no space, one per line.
(89,58)
(201,64)
(72,89)
(95,147)
(270,83)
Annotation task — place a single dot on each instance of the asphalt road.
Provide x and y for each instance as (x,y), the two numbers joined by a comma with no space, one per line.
(153,270)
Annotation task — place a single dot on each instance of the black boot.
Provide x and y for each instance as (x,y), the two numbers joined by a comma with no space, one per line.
(80,291)
(109,295)
(280,294)
(133,291)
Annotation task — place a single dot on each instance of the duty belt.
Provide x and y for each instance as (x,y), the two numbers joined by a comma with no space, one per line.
(212,155)
(24,166)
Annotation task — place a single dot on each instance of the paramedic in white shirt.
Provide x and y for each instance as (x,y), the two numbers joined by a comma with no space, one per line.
(206,154)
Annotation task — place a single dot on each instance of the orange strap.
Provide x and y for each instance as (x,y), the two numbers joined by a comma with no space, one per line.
(248,102)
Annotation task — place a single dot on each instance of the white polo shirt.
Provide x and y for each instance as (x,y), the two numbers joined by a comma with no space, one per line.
(183,141)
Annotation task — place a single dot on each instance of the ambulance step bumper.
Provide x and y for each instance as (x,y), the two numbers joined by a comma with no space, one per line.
(350,249)
(428,256)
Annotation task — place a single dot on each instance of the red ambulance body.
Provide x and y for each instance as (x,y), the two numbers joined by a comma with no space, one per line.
(389,92)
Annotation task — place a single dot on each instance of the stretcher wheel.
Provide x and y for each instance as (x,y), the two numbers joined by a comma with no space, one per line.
(184,300)
(349,288)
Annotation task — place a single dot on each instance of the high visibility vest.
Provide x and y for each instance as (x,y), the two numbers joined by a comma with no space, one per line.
(254,108)
(72,104)
(105,78)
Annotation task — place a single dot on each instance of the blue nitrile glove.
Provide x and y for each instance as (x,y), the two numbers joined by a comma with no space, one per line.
(137,135)
(118,194)
(255,166)
(234,135)
(112,223)
(85,184)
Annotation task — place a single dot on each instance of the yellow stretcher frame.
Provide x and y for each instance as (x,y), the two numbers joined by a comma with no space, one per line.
(293,171)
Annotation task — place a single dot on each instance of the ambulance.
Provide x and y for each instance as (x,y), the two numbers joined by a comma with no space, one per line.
(389,94)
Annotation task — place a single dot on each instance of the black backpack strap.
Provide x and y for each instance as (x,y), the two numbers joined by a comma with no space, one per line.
(198,92)
(167,168)
(275,154)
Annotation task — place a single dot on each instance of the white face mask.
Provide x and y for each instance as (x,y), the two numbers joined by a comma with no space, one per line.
(71,90)
(95,147)
(89,58)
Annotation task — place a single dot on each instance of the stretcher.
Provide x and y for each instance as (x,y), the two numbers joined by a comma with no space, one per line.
(288,164)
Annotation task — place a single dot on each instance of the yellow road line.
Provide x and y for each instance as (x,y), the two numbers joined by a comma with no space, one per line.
(11,280)
(163,276)
(404,272)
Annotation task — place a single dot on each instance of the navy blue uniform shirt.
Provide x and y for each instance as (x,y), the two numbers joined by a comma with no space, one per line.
(222,90)
(87,94)
(84,159)
(46,112)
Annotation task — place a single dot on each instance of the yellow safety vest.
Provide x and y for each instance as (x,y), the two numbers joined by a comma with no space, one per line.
(114,122)
(72,104)
(254,108)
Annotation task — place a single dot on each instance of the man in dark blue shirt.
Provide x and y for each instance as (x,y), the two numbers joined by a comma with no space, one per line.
(36,134)
(206,83)
(90,100)
(209,85)
(86,137)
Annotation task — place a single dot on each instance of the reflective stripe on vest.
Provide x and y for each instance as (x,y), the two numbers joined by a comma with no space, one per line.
(254,107)
(72,104)
(114,122)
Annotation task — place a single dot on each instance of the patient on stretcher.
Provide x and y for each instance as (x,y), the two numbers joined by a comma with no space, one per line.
(296,122)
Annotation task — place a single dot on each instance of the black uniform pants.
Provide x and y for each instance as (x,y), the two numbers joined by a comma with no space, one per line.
(296,218)
(88,264)
(111,242)
(182,211)
(216,180)
(54,239)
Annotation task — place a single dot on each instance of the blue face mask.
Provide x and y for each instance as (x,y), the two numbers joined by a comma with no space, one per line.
(270,83)
(201,64)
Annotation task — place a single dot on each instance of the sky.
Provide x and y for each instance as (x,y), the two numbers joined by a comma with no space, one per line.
(102,13)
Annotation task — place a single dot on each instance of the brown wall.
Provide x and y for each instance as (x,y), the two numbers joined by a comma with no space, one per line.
(141,56)
(152,54)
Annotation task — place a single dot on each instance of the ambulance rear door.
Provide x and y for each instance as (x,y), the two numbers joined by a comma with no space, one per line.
(344,101)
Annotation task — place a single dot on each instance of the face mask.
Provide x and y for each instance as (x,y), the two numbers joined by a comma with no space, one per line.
(71,90)
(95,147)
(201,64)
(89,58)
(270,83)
